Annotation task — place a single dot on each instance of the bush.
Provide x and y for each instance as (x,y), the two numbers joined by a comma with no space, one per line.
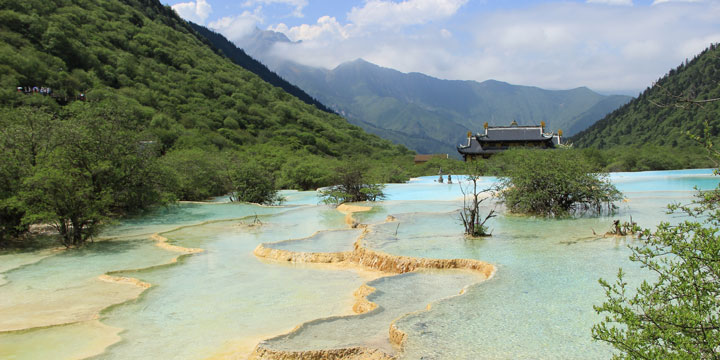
(250,182)
(554,183)
(353,185)
(675,314)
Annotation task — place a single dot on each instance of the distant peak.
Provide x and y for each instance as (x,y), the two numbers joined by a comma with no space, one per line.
(357,63)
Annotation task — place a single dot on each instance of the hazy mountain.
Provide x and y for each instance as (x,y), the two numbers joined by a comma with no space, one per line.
(433,115)
(658,116)
(259,43)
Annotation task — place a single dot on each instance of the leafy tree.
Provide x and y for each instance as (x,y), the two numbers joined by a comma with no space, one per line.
(91,166)
(250,182)
(352,185)
(66,196)
(676,315)
(196,174)
(307,172)
(24,137)
(554,183)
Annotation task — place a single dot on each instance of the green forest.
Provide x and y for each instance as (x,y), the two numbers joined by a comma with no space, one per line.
(140,111)
(665,117)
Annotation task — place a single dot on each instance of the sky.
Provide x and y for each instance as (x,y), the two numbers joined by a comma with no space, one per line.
(610,46)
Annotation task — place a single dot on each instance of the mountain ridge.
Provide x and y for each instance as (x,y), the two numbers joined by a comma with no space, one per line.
(419,105)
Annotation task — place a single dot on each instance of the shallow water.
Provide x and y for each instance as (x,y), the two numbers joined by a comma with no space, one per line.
(223,301)
(395,296)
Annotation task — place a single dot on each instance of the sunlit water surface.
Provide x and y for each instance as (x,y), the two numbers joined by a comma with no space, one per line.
(223,301)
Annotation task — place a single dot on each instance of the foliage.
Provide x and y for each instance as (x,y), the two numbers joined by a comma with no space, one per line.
(676,316)
(195,174)
(307,172)
(80,170)
(470,212)
(647,157)
(250,182)
(352,185)
(553,183)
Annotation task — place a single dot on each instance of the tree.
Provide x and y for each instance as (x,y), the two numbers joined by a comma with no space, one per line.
(250,182)
(98,167)
(352,185)
(678,314)
(470,212)
(24,137)
(554,183)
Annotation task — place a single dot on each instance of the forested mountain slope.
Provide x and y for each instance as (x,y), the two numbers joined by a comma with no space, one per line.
(433,115)
(142,52)
(665,112)
(239,57)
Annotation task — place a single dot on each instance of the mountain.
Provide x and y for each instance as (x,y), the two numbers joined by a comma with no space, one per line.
(431,115)
(182,91)
(664,113)
(598,111)
(238,56)
(260,42)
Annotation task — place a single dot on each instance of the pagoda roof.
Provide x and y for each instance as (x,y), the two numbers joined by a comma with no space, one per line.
(513,133)
(473,147)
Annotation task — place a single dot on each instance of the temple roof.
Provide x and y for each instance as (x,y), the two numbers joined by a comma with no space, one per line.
(506,134)
(514,133)
(473,147)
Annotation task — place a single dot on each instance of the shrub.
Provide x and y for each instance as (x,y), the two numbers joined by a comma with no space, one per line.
(554,183)
(353,185)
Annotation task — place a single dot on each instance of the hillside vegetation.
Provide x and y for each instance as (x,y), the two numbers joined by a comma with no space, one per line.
(238,56)
(664,114)
(142,111)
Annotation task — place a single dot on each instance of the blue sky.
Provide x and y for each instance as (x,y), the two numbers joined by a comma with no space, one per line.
(619,46)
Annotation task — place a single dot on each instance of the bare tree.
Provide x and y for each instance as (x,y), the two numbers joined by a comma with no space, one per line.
(472,198)
(682,101)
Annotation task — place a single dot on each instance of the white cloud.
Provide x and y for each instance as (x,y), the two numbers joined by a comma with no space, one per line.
(238,27)
(195,11)
(672,1)
(298,5)
(611,2)
(556,45)
(327,27)
(608,48)
(695,45)
(388,13)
